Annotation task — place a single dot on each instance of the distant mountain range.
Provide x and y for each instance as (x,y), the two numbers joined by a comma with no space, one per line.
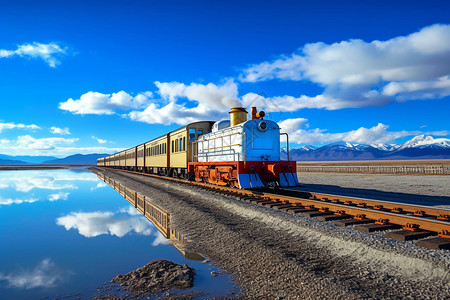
(419,147)
(77,159)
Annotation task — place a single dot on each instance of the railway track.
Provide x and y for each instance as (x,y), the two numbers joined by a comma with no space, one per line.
(404,222)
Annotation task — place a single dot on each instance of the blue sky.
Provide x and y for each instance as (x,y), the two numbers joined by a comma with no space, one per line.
(98,76)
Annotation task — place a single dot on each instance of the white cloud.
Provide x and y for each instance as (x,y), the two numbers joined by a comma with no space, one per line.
(160,239)
(99,140)
(208,102)
(9,201)
(92,224)
(45,274)
(105,104)
(50,53)
(4,126)
(30,142)
(355,73)
(59,147)
(221,96)
(378,134)
(179,103)
(58,196)
(57,130)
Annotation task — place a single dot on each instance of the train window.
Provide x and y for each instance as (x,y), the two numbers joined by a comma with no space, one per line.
(184,143)
(191,134)
(172,146)
(165,148)
(176,145)
(199,133)
(181,144)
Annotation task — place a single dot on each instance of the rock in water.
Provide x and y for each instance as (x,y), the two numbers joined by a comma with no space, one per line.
(157,276)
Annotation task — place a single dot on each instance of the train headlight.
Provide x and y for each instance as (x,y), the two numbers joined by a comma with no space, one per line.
(262,126)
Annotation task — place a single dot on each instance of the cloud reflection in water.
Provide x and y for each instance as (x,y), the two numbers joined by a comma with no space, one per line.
(92,224)
(26,181)
(45,274)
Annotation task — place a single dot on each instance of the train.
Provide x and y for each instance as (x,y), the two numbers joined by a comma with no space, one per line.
(238,153)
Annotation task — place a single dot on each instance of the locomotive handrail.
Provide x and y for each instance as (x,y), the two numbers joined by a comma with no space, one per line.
(220,152)
(193,150)
(287,143)
(245,148)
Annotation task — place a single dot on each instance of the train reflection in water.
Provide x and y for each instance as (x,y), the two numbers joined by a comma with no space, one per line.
(155,214)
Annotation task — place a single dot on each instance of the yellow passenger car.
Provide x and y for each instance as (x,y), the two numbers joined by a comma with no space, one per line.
(182,146)
(140,161)
(130,160)
(156,156)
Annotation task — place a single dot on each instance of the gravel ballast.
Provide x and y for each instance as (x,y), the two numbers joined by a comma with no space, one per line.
(272,254)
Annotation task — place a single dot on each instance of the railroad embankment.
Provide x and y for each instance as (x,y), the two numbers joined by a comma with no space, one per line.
(272,254)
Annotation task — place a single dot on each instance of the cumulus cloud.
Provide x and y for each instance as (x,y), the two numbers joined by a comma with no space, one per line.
(61,131)
(356,73)
(92,224)
(217,96)
(105,104)
(9,201)
(51,53)
(54,146)
(4,126)
(99,140)
(207,102)
(299,133)
(58,196)
(178,103)
(45,274)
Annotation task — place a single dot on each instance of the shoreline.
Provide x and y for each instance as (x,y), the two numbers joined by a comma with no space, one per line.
(274,254)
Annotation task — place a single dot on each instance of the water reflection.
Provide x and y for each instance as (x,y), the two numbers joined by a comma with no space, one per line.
(71,236)
(43,179)
(155,214)
(45,274)
(92,224)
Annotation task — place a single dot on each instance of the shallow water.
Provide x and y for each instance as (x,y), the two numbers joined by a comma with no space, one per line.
(66,232)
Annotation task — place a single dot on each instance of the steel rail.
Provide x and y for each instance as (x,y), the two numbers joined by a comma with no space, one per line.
(425,223)
(380,204)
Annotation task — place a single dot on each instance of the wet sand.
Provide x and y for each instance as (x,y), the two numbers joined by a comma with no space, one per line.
(276,255)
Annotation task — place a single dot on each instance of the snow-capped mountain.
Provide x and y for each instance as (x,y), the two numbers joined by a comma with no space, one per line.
(423,141)
(419,147)
(308,147)
(386,147)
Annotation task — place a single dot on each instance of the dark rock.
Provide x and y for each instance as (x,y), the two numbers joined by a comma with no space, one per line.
(157,276)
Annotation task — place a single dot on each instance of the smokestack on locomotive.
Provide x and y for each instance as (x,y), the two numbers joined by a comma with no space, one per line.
(237,116)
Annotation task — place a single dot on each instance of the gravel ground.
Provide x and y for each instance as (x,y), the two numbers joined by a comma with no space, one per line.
(276,255)
(432,190)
